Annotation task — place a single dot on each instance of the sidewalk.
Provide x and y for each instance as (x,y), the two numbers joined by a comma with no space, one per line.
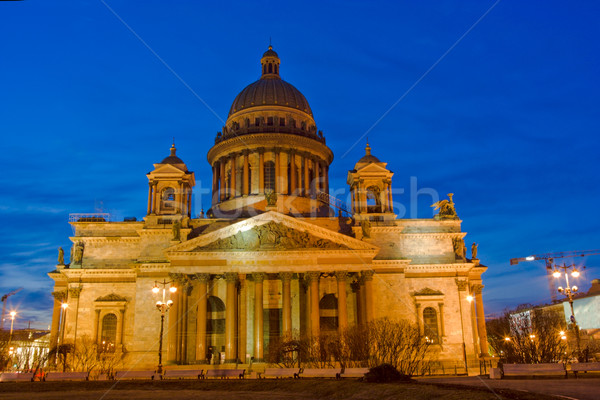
(579,389)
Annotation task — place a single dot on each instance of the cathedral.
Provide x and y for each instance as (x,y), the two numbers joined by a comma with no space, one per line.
(275,256)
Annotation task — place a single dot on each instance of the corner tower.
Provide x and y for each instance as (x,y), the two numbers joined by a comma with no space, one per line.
(269,145)
(170,188)
(371,188)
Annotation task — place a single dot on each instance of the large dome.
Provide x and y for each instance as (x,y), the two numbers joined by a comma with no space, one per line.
(270,91)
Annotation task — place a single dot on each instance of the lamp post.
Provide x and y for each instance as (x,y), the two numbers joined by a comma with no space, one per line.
(13,314)
(569,291)
(63,314)
(162,306)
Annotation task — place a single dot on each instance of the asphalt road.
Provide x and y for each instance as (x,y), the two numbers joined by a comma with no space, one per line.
(579,389)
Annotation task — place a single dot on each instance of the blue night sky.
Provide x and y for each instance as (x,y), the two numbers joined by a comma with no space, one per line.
(507,120)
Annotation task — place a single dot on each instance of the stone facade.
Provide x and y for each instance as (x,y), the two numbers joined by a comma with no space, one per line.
(271,258)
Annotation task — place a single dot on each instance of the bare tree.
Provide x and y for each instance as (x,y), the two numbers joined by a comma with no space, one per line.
(109,361)
(85,356)
(398,343)
(528,336)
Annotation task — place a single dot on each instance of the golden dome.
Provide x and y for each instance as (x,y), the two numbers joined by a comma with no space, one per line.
(270,92)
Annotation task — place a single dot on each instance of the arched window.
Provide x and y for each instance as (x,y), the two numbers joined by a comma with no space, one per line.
(430,324)
(168,198)
(374,199)
(270,68)
(108,338)
(265,69)
(276,69)
(269,175)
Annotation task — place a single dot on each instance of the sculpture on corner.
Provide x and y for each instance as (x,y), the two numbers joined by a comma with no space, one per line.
(61,256)
(271,198)
(176,230)
(446,208)
(77,253)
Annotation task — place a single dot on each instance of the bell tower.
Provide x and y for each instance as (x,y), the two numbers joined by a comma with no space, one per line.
(170,187)
(371,189)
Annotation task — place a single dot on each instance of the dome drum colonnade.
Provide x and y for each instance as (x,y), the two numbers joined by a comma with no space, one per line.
(270,144)
(235,322)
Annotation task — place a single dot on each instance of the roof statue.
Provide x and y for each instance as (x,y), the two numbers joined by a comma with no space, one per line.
(61,256)
(446,207)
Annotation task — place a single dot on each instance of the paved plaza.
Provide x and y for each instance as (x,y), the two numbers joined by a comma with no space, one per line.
(581,389)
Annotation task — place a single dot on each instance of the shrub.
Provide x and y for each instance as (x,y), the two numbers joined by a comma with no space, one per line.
(386,373)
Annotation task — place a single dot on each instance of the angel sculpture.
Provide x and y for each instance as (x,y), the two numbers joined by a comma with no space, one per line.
(446,208)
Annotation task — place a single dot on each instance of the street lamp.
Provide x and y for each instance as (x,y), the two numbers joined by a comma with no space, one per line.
(162,306)
(569,291)
(13,314)
(63,314)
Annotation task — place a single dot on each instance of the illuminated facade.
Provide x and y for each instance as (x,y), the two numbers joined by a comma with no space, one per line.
(271,258)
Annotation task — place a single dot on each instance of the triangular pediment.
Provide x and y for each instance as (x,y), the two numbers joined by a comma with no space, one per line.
(373,168)
(111,297)
(167,169)
(428,292)
(271,236)
(271,231)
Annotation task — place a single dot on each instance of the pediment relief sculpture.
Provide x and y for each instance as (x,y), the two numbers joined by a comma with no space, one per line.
(428,292)
(111,297)
(271,236)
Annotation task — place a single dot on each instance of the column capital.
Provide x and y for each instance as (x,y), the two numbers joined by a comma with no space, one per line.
(477,288)
(462,284)
(367,275)
(245,152)
(75,292)
(202,277)
(230,277)
(179,279)
(286,276)
(60,295)
(312,276)
(258,277)
(341,275)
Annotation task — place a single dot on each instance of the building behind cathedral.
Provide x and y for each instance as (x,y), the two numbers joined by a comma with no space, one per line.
(271,258)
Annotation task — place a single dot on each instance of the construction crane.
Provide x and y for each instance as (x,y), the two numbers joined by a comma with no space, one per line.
(6,296)
(549,259)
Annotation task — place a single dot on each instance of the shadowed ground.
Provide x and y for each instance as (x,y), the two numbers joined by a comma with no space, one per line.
(583,388)
(249,389)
